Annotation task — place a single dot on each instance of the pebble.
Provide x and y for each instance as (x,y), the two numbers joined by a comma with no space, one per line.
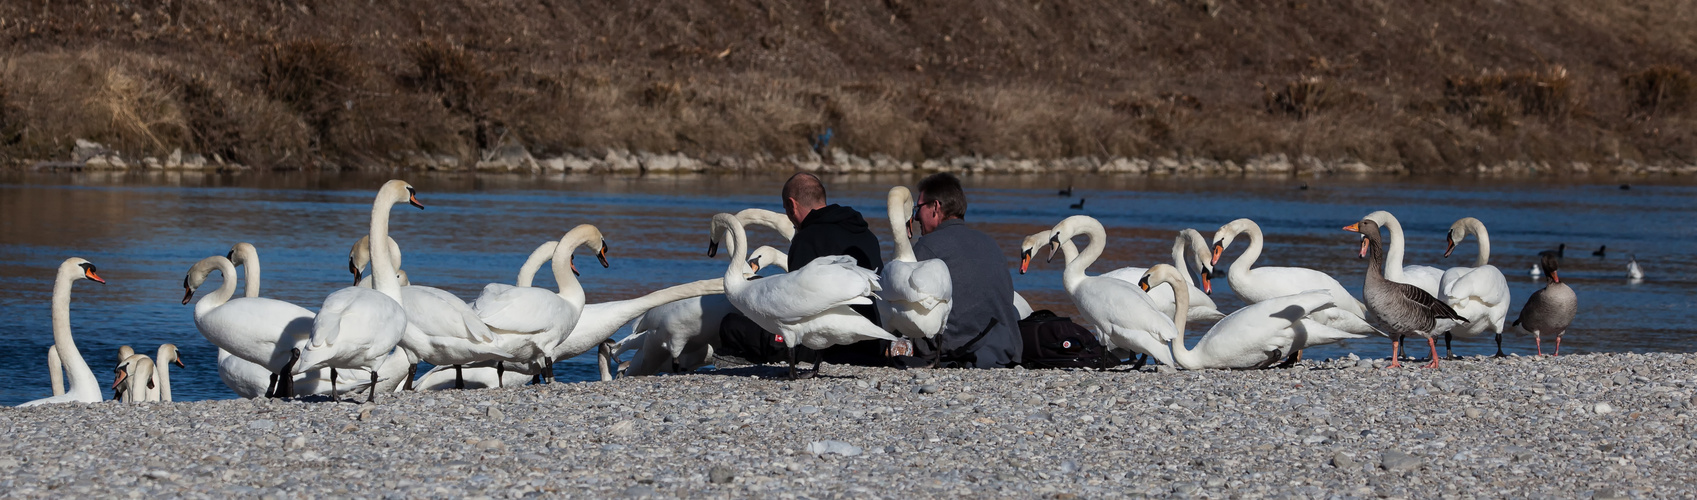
(1396,461)
(929,389)
(1603,408)
(1000,433)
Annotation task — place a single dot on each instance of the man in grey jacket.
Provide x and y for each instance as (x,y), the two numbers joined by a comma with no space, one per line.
(983,327)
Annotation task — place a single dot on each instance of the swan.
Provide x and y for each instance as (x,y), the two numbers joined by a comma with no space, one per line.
(695,321)
(917,296)
(137,377)
(1428,278)
(1403,308)
(1548,310)
(1203,308)
(1255,336)
(808,306)
(441,329)
(1255,284)
(530,321)
(358,328)
(1122,313)
(83,386)
(360,255)
(1479,293)
(262,331)
(1021,306)
(768,256)
(1633,272)
(595,325)
(250,380)
(162,371)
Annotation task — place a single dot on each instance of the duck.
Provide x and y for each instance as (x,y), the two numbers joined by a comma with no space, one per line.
(1480,293)
(359,328)
(82,387)
(808,306)
(1256,336)
(1549,310)
(1404,309)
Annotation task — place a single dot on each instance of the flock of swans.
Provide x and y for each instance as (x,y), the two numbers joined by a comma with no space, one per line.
(371,336)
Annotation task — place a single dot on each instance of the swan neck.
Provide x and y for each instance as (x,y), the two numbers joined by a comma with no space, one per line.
(1478,229)
(55,370)
(1393,258)
(383,277)
(532,264)
(570,289)
(75,368)
(250,261)
(1179,262)
(1077,264)
(162,368)
(1245,262)
(1181,302)
(900,206)
(736,273)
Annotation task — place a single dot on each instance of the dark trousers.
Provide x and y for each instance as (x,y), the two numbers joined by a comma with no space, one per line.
(741,337)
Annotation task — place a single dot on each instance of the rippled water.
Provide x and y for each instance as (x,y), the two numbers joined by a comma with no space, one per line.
(145,230)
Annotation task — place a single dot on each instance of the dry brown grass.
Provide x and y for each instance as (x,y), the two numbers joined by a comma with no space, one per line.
(368,83)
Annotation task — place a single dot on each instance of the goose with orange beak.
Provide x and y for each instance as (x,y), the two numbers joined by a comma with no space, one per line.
(1550,310)
(1404,309)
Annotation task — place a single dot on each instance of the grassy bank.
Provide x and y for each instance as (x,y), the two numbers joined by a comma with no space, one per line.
(1420,86)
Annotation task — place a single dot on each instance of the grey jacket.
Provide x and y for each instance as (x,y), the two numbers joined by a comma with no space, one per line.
(983,289)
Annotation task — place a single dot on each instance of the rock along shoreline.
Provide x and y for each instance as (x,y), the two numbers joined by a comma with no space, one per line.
(1597,425)
(516,159)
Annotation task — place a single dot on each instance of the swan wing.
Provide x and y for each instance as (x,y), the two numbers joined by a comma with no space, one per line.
(1264,283)
(1428,278)
(1119,307)
(811,290)
(438,313)
(259,330)
(519,310)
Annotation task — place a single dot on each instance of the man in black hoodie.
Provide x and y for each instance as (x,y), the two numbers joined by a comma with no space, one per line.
(820,230)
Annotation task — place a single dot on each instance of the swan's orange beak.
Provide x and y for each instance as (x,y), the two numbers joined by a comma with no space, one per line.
(1207,286)
(754,263)
(1356,227)
(95,277)
(121,376)
(179,361)
(602,255)
(188,294)
(1143,283)
(1024,261)
(1219,249)
(412,197)
(1450,246)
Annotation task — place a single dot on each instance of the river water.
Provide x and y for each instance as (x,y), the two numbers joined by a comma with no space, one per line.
(144,230)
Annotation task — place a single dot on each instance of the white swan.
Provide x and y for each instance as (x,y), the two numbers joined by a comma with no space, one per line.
(1255,336)
(360,255)
(1634,273)
(768,256)
(250,380)
(162,371)
(83,386)
(917,296)
(138,379)
(1479,293)
(262,331)
(1203,308)
(808,306)
(1428,278)
(441,329)
(595,325)
(693,323)
(1256,284)
(358,328)
(531,322)
(1122,313)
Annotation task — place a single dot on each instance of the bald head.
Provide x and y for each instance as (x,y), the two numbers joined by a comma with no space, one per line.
(802,194)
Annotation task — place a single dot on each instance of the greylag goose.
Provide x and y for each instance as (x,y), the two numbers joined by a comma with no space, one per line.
(1549,310)
(1402,308)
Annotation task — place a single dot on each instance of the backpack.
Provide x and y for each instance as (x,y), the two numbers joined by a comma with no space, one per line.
(1056,342)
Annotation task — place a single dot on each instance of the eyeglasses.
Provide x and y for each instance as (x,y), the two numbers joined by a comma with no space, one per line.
(922,205)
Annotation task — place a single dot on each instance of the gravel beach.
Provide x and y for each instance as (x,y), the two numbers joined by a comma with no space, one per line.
(1602,426)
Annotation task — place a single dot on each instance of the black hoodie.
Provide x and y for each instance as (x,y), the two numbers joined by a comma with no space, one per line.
(839,230)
